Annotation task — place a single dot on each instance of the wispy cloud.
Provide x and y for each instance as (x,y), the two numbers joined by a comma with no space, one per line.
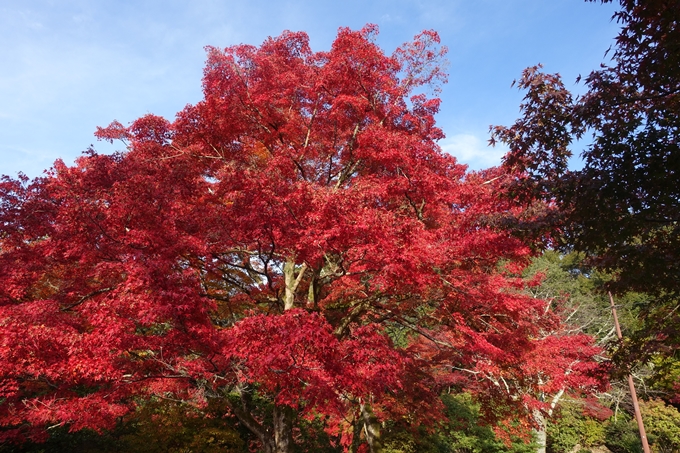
(72,65)
(385,18)
(471,150)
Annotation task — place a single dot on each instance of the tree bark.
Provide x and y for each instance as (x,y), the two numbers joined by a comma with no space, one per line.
(283,429)
(278,437)
(541,434)
(357,427)
(243,414)
(291,282)
(371,429)
(275,439)
(542,423)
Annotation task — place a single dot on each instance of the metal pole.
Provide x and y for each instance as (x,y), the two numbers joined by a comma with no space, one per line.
(633,394)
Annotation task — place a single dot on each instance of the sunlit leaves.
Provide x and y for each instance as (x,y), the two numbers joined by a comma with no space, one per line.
(260,248)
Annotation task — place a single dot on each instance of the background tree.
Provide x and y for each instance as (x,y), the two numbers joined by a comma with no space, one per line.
(576,291)
(623,207)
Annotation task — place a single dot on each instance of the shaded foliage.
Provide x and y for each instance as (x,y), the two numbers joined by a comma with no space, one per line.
(623,207)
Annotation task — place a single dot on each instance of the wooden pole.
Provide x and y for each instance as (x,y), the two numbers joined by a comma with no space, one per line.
(631,385)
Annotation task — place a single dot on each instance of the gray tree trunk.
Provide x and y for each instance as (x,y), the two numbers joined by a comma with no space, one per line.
(540,431)
(371,429)
(283,429)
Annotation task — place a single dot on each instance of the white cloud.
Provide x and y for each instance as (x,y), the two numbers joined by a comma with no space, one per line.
(72,65)
(78,18)
(28,19)
(471,150)
(385,18)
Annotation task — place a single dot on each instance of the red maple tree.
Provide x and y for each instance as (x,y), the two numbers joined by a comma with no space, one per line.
(295,243)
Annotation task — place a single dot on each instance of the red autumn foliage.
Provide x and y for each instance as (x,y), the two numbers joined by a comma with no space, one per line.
(263,245)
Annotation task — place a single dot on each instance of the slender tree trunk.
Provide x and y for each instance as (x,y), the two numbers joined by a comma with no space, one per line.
(542,423)
(540,431)
(278,437)
(357,427)
(371,429)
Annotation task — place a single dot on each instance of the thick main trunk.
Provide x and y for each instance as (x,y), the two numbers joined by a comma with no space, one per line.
(283,429)
(276,438)
(371,429)
(292,282)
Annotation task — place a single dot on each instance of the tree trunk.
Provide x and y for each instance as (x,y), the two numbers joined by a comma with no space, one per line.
(542,423)
(292,281)
(283,429)
(540,431)
(357,427)
(243,414)
(276,438)
(371,429)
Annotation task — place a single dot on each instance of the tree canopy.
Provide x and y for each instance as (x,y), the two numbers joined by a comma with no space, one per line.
(622,208)
(623,205)
(296,245)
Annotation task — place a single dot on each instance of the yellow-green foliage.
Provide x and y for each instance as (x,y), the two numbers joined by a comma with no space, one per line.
(570,427)
(401,442)
(464,433)
(666,373)
(662,424)
(167,427)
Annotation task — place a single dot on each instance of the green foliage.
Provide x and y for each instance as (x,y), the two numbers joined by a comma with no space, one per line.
(162,426)
(622,435)
(578,292)
(465,432)
(570,427)
(402,442)
(662,425)
(399,334)
(62,441)
(572,289)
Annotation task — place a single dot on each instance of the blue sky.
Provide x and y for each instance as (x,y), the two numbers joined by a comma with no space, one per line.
(68,66)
